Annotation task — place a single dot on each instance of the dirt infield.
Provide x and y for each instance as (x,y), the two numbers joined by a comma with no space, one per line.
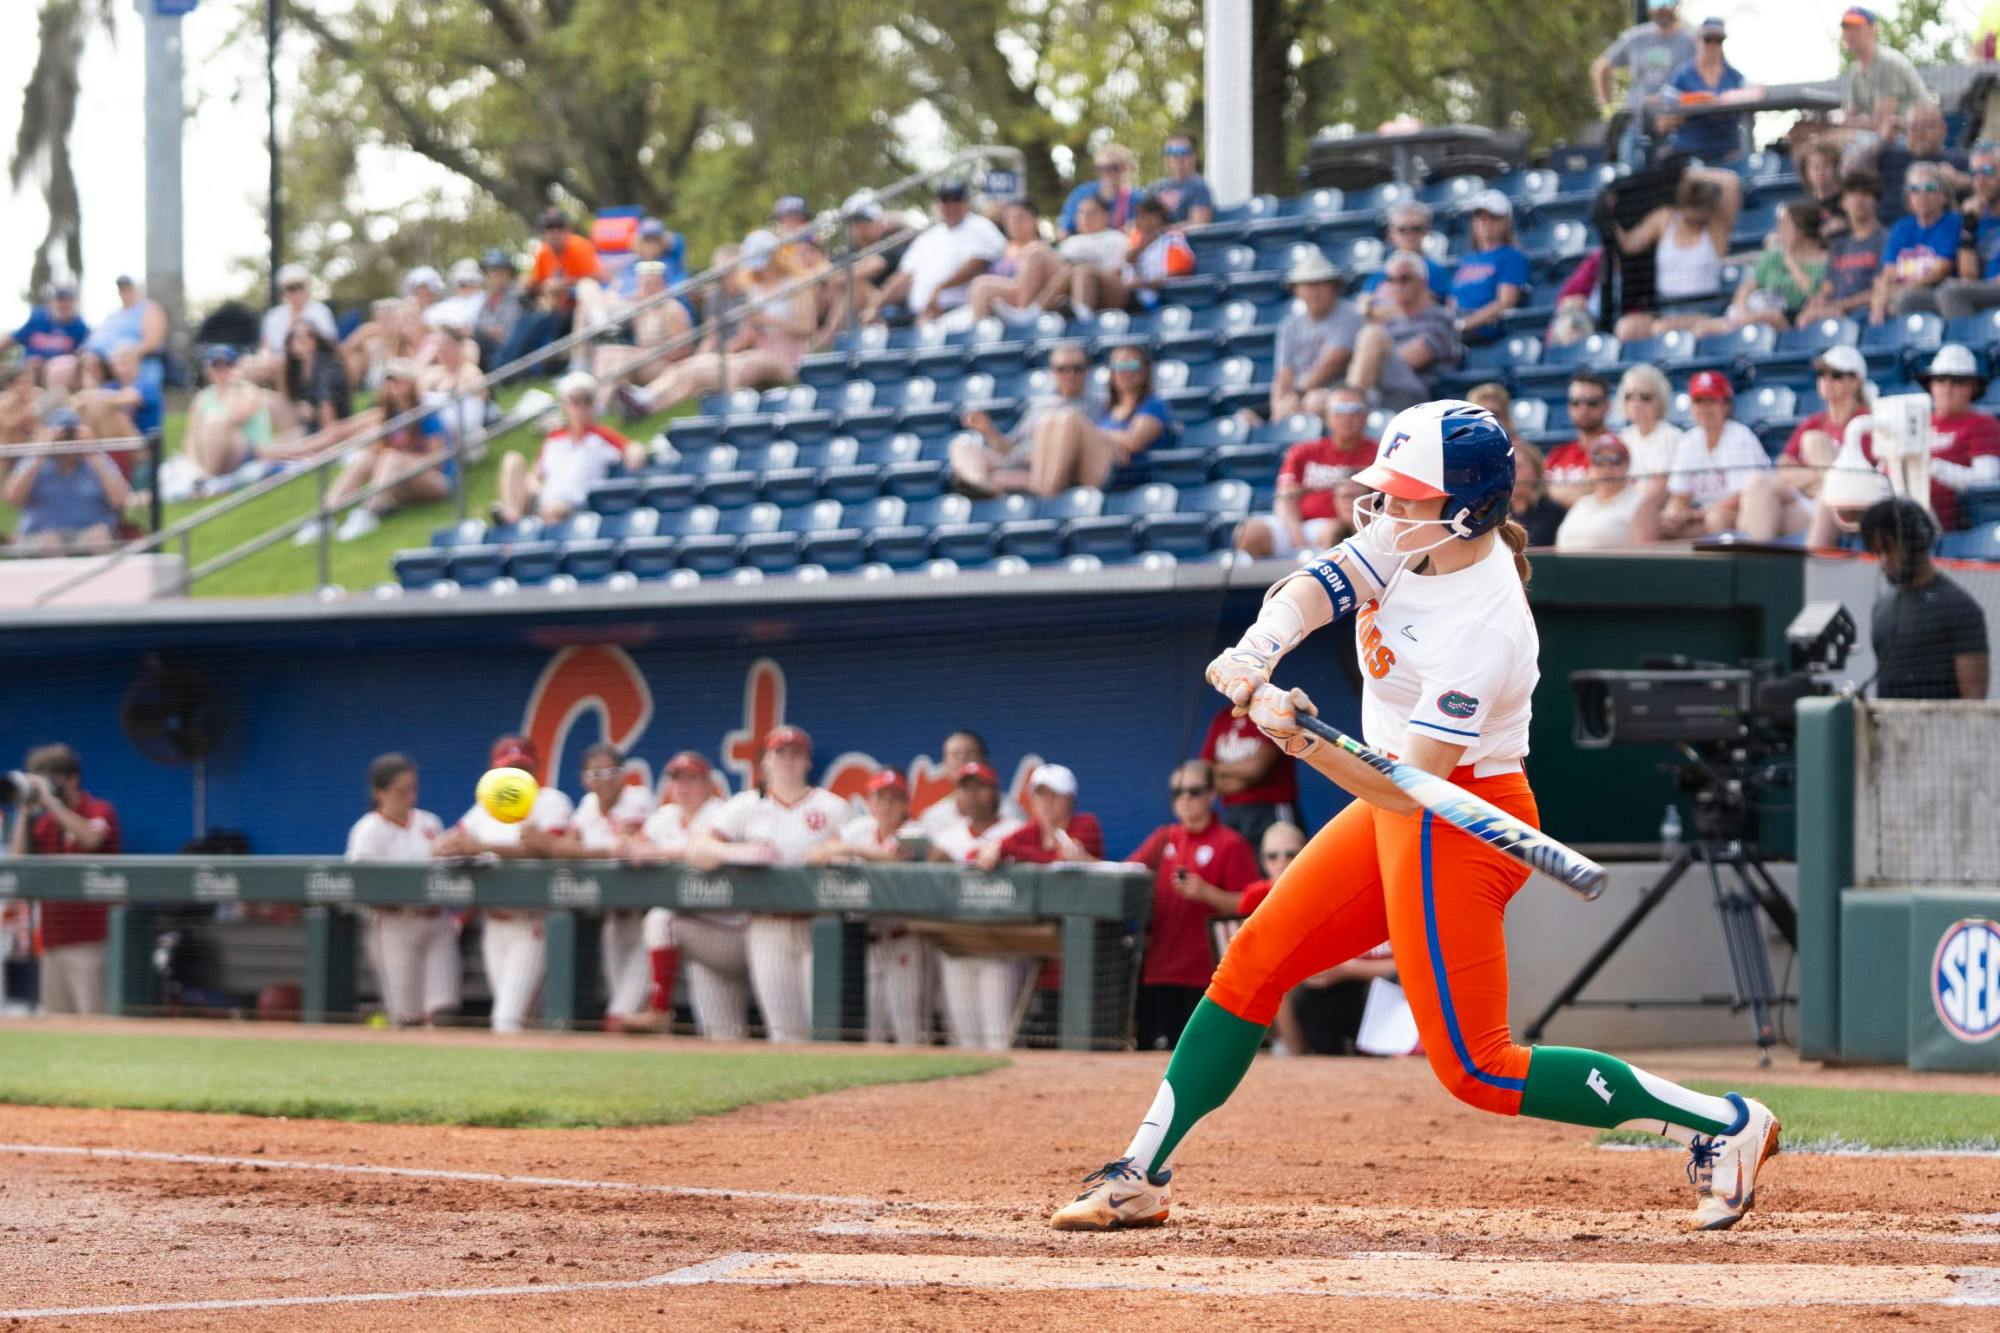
(1331,1192)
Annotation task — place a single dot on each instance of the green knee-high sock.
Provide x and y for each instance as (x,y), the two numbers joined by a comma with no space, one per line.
(1210,1059)
(1581,1087)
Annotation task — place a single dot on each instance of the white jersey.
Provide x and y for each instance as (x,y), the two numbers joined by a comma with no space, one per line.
(958,842)
(795,829)
(859,834)
(375,838)
(552,814)
(1453,657)
(602,834)
(940,818)
(669,828)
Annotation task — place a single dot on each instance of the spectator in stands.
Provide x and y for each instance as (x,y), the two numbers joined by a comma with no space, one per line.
(229,423)
(1786,275)
(1493,396)
(1316,488)
(565,266)
(1854,259)
(1055,830)
(295,302)
(1842,378)
(854,287)
(460,310)
(1090,252)
(652,329)
(1569,466)
(315,381)
(499,307)
(1882,84)
(1924,142)
(1819,174)
(1688,241)
(1929,636)
(772,331)
(1965,444)
(1492,277)
(1200,868)
(991,461)
(1315,339)
(405,944)
(1578,302)
(51,330)
(1713,139)
(70,822)
(396,330)
(454,387)
(936,272)
(1114,186)
(1158,255)
(1652,51)
(1409,338)
(576,456)
(1258,782)
(129,391)
(1026,270)
(95,395)
(141,322)
(1921,251)
(69,502)
(1530,505)
(1408,225)
(1977,286)
(1186,195)
(389,455)
(1075,450)
(20,404)
(1716,458)
(1614,512)
(789,215)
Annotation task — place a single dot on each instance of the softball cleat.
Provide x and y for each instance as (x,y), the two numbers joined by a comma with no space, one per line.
(1117,1194)
(1724,1168)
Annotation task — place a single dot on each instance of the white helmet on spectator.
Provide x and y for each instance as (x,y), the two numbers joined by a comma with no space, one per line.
(576,384)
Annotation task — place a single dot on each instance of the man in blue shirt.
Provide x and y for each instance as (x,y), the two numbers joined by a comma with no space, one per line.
(1977,286)
(1714,139)
(1408,225)
(1922,249)
(52,330)
(1184,192)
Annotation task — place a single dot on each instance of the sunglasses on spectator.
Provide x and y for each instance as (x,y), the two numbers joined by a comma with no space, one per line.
(1408,227)
(1928,187)
(1607,457)
(1403,277)
(1188,791)
(1597,401)
(1641,395)
(1829,373)
(1711,39)
(1113,167)
(1282,854)
(1128,363)
(1988,170)
(1178,150)
(1345,409)
(295,286)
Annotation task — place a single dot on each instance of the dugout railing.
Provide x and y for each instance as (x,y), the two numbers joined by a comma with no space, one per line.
(1099,912)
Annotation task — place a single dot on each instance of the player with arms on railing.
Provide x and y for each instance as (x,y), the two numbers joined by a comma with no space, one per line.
(1448,647)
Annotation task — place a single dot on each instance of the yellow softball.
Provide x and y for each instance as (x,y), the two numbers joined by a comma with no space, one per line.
(508,794)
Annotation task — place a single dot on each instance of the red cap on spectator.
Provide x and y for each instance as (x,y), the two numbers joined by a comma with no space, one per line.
(1711,384)
(981,772)
(514,752)
(779,737)
(886,780)
(688,762)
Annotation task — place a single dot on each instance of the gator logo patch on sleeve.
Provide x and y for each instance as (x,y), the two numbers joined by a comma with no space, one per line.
(1454,704)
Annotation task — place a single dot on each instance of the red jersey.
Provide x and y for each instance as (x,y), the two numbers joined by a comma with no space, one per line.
(1178,952)
(1025,843)
(1320,466)
(75,923)
(1959,440)
(1819,421)
(1231,740)
(1569,464)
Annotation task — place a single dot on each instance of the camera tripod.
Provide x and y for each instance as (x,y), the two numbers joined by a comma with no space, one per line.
(1721,820)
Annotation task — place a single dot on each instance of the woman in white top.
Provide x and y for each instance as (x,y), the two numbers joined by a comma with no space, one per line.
(1643,393)
(1616,512)
(1716,459)
(1688,241)
(414,950)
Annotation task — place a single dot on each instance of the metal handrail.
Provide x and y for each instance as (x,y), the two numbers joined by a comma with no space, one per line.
(827,222)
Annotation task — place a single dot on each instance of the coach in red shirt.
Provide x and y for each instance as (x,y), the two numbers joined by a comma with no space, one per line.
(72,822)
(1056,830)
(1314,504)
(1200,869)
(1259,783)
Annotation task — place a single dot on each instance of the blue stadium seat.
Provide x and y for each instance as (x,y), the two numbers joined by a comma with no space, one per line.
(1187,532)
(1735,350)
(1531,416)
(714,552)
(477,566)
(826,370)
(1254,463)
(531,563)
(1979,543)
(908,544)
(842,548)
(1980,504)
(1039,538)
(649,557)
(923,409)
(1981,333)
(939,353)
(668,492)
(1796,348)
(1113,533)
(695,520)
(1670,349)
(1903,336)
(916,479)
(1532,186)
(1183,466)
(420,568)
(1599,352)
(1503,359)
(1293,429)
(976,538)
(727,490)
(632,523)
(591,561)
(777,551)
(1767,404)
(466,532)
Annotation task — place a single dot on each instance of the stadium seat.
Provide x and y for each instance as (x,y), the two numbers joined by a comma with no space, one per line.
(777,551)
(695,520)
(477,566)
(465,532)
(1039,539)
(1733,351)
(1977,543)
(907,544)
(649,557)
(1546,376)
(420,569)
(1113,533)
(1531,416)
(1297,427)
(1186,532)
(1796,348)
(1183,466)
(591,561)
(669,492)
(727,490)
(975,538)
(1502,359)
(1981,333)
(1254,463)
(1665,350)
(714,552)
(840,548)
(640,522)
(1904,336)
(1766,405)
(532,563)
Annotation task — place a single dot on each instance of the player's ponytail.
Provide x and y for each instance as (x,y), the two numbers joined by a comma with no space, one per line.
(1516,538)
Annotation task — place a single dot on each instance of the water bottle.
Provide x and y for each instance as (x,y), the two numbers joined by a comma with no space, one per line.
(1670,833)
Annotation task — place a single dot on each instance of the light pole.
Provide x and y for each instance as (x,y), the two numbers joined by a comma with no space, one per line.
(165,112)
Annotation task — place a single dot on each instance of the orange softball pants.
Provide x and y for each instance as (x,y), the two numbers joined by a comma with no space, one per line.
(1438,895)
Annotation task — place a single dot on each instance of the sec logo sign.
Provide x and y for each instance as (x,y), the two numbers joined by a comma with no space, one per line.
(1965,980)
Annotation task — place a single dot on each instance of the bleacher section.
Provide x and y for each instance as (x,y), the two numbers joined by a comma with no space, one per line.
(846,472)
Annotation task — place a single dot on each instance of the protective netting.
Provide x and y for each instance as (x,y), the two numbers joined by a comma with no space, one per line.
(1924,792)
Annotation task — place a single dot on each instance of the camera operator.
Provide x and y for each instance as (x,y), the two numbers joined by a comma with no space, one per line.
(1929,634)
(58,817)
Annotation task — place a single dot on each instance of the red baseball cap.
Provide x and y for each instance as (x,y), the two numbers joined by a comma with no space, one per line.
(1711,384)
(779,737)
(976,772)
(510,751)
(885,780)
(687,761)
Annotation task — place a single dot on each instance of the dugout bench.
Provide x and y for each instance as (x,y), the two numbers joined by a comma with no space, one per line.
(1100,911)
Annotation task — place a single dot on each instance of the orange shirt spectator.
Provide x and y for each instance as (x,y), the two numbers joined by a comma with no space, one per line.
(564,250)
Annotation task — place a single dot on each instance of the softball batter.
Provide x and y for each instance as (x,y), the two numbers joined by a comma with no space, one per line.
(1448,646)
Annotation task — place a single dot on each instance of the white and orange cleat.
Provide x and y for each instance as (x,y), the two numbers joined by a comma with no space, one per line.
(1117,1194)
(1724,1168)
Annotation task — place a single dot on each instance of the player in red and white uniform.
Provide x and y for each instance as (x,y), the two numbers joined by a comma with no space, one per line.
(777,825)
(400,940)
(899,963)
(976,992)
(574,457)
(1315,484)
(510,940)
(975,816)
(711,942)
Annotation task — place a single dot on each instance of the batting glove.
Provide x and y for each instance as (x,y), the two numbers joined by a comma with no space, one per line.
(1276,712)
(1239,672)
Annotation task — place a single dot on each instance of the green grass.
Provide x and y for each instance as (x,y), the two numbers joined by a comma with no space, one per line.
(1827,1118)
(401,1083)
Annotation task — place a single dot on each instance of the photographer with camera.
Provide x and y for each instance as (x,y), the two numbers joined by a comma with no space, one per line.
(71,500)
(57,817)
